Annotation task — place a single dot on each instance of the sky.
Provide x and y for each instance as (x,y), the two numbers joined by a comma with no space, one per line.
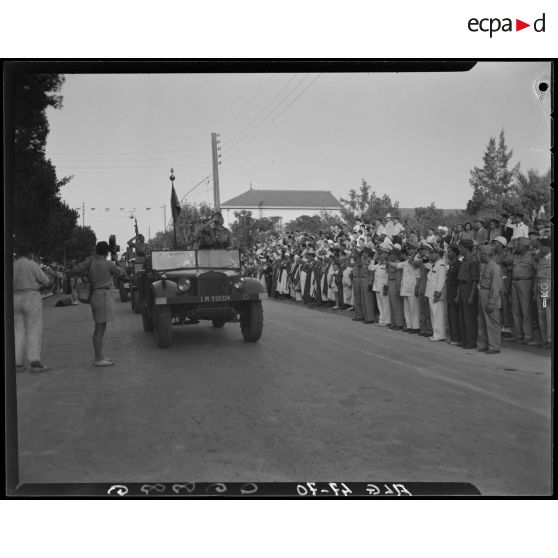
(413,136)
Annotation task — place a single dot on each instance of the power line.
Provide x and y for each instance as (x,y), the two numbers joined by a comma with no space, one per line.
(268,115)
(249,103)
(261,111)
(118,153)
(270,123)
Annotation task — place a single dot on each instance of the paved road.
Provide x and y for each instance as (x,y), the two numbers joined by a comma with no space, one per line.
(318,398)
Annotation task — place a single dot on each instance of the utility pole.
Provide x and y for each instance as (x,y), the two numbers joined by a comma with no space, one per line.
(83,214)
(216,156)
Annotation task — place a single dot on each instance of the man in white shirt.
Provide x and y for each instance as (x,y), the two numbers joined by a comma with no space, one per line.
(393,227)
(29,278)
(519,228)
(435,292)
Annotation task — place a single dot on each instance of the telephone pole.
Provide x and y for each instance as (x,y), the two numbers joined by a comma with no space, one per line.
(216,156)
(83,214)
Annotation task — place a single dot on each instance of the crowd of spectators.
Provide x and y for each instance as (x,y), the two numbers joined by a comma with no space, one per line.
(468,285)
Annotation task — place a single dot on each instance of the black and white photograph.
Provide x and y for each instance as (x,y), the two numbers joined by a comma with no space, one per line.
(331,278)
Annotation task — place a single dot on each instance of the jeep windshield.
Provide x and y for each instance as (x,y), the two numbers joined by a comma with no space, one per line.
(173,259)
(219,259)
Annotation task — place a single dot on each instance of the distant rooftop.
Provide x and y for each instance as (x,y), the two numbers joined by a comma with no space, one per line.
(283,199)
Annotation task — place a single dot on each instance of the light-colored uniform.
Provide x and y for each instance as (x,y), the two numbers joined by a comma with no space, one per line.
(410,301)
(436,282)
(489,324)
(28,309)
(381,281)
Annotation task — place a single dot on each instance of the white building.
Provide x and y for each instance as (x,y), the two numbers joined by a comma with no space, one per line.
(286,204)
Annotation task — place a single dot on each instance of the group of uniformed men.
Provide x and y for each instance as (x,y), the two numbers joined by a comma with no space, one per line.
(478,289)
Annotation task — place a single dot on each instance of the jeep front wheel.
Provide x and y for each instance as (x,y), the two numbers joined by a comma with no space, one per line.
(218,322)
(251,321)
(162,320)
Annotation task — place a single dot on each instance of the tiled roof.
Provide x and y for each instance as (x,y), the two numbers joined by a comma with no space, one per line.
(275,199)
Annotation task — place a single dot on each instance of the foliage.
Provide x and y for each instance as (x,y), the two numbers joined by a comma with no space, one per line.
(493,182)
(247,231)
(81,243)
(311,224)
(530,193)
(40,216)
(366,205)
(191,216)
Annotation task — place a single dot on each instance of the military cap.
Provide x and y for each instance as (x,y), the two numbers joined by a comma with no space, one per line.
(501,240)
(545,241)
(467,243)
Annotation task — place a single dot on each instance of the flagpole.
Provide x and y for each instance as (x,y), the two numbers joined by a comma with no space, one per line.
(173,218)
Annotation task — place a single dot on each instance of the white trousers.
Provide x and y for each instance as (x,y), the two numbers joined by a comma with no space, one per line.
(28,326)
(411,311)
(438,318)
(384,307)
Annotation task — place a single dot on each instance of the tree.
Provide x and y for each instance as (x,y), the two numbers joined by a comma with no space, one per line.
(41,218)
(81,243)
(243,229)
(493,182)
(429,217)
(366,204)
(247,231)
(190,218)
(311,224)
(530,193)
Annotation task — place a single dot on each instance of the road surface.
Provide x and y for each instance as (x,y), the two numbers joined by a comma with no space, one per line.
(319,398)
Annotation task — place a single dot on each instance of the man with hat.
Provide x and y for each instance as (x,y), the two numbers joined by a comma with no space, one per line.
(490,284)
(435,294)
(409,291)
(212,233)
(504,260)
(392,227)
(395,276)
(422,262)
(543,291)
(468,278)
(524,270)
(518,227)
(357,290)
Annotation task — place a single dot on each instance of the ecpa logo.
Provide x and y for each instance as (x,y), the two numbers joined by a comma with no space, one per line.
(494,24)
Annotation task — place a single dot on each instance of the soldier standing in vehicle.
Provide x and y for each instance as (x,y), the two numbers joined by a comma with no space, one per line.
(212,233)
(137,242)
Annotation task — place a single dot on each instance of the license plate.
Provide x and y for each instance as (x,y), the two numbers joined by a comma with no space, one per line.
(216,298)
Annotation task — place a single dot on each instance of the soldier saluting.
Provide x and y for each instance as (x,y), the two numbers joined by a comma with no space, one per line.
(212,233)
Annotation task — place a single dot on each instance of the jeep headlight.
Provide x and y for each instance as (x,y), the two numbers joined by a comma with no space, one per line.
(184,284)
(239,283)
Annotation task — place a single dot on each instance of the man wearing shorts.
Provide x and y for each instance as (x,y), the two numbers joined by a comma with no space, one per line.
(100,274)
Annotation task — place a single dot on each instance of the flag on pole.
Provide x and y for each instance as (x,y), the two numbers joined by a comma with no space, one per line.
(175,205)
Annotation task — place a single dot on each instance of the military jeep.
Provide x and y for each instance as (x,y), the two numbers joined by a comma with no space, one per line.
(182,287)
